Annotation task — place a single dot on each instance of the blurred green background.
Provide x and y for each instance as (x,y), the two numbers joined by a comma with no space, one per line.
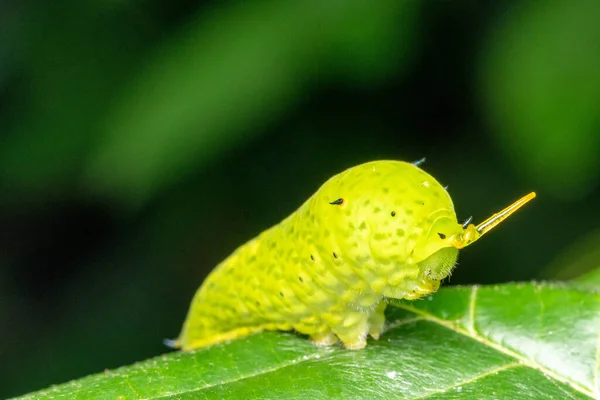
(142,141)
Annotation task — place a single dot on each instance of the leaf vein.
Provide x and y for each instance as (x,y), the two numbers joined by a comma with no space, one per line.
(278,367)
(131,387)
(469,381)
(496,346)
(401,322)
(472,304)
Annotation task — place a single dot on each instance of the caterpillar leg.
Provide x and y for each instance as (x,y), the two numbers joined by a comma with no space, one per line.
(319,333)
(354,340)
(377,320)
(351,327)
(324,339)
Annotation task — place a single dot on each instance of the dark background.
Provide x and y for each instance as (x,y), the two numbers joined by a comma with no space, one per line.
(142,141)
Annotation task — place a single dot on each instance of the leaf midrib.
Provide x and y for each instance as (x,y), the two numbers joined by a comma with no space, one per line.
(293,362)
(286,364)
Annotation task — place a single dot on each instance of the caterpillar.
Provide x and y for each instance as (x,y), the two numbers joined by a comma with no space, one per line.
(380,230)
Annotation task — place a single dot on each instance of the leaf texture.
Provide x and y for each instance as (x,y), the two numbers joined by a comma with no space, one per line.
(525,341)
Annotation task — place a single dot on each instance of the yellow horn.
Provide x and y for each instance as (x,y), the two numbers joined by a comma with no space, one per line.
(472,233)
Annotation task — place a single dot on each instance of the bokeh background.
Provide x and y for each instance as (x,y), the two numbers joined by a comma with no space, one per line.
(142,141)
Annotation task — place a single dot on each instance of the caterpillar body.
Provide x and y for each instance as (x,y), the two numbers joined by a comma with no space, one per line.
(380,230)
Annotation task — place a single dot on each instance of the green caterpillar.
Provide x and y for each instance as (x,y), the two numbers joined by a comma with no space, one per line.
(379,230)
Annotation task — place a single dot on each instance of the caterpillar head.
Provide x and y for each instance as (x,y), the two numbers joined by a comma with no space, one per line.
(437,251)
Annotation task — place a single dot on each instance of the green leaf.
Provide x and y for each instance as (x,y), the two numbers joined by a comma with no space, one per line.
(525,341)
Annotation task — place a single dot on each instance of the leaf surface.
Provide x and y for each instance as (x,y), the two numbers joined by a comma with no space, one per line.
(526,341)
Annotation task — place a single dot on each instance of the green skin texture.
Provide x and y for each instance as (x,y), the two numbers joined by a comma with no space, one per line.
(327,269)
